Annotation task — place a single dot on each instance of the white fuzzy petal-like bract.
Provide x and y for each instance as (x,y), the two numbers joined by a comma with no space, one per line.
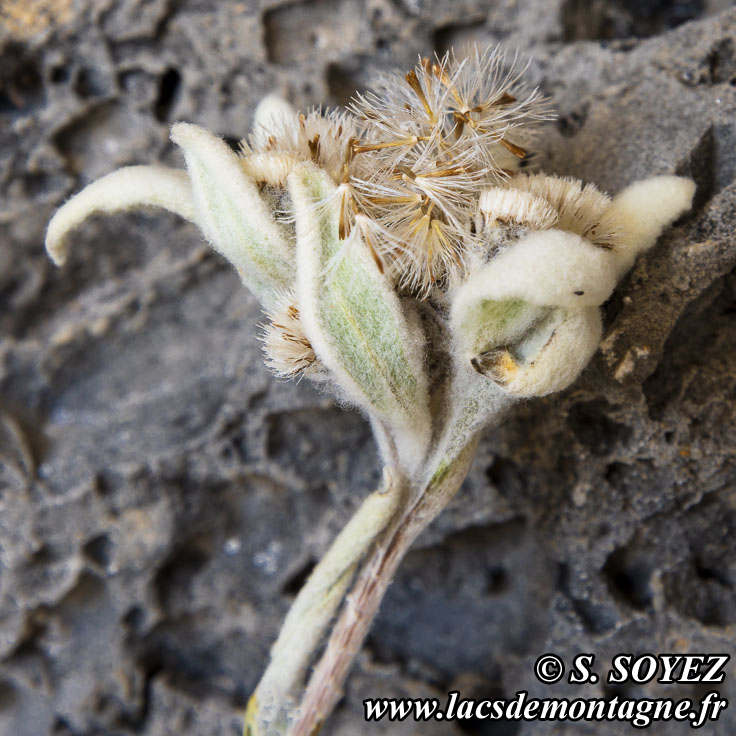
(123,190)
(548,268)
(644,209)
(569,341)
(233,216)
(354,320)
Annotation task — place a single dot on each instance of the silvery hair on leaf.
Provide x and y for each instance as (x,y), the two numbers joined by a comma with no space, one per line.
(405,262)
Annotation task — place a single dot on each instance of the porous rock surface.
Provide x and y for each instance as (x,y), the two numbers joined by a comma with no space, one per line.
(162,497)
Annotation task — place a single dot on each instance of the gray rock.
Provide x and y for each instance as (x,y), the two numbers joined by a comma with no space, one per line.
(162,497)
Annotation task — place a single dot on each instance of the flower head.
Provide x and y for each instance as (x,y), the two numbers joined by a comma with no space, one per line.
(324,138)
(410,158)
(342,222)
(430,142)
(289,354)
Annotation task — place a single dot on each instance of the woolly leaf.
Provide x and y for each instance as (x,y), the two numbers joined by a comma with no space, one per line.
(548,268)
(125,189)
(644,209)
(508,311)
(481,324)
(554,354)
(354,319)
(232,214)
(525,324)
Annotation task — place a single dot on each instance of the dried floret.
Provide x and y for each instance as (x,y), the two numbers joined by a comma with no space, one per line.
(410,158)
(289,353)
(582,209)
(324,137)
(431,141)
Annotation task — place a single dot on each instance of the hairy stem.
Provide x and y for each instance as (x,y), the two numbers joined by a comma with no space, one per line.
(306,623)
(376,572)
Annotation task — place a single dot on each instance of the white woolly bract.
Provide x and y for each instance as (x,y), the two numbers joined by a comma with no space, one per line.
(548,268)
(544,353)
(480,324)
(574,336)
(353,319)
(540,351)
(232,214)
(644,209)
(125,189)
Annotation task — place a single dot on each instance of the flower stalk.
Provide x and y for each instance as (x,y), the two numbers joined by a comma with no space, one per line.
(277,695)
(408,266)
(361,605)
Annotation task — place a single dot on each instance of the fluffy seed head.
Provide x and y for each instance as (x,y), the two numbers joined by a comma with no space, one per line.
(289,353)
(411,158)
(430,142)
(512,206)
(581,209)
(325,138)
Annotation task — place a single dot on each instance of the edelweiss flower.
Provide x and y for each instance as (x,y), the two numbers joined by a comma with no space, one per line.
(342,224)
(410,158)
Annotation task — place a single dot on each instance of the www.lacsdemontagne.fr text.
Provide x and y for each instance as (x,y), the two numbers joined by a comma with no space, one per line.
(639,712)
